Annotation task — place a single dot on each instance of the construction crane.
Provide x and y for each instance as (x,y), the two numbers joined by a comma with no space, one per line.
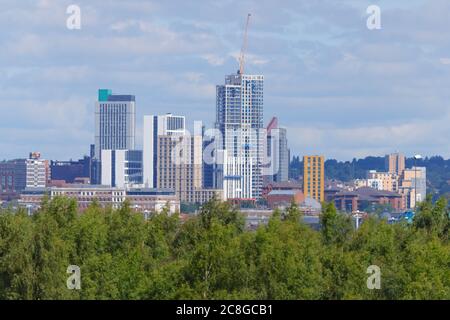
(244,47)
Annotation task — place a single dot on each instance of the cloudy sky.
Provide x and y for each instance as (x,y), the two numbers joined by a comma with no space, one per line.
(341,90)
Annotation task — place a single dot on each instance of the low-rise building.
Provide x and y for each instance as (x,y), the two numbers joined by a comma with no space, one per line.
(140,199)
(287,185)
(284,198)
(386,181)
(410,183)
(310,207)
(364,197)
(70,171)
(255,218)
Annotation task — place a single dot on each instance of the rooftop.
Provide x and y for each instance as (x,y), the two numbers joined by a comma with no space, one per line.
(127,98)
(367,193)
(283,192)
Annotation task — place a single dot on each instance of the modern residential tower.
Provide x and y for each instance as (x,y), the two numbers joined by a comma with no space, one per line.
(154,126)
(314,177)
(173,159)
(239,118)
(277,152)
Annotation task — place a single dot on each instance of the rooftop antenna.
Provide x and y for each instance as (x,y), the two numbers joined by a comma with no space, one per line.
(244,46)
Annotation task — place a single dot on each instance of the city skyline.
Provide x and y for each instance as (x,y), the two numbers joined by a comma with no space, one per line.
(340,89)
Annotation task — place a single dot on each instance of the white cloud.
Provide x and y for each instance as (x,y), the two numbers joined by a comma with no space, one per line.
(250,59)
(29,45)
(359,141)
(214,60)
(348,92)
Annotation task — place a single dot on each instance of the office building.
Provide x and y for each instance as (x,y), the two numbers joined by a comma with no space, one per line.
(13,177)
(115,122)
(277,152)
(213,159)
(121,168)
(395,163)
(314,177)
(414,185)
(94,167)
(239,118)
(69,171)
(209,172)
(37,171)
(154,126)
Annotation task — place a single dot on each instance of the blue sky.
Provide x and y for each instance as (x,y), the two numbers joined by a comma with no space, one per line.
(341,90)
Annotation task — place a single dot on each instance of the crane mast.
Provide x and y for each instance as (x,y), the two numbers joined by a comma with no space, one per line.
(244,46)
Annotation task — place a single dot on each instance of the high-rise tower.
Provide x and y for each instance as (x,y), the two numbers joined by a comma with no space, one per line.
(155,126)
(277,152)
(239,118)
(115,122)
(395,163)
(314,177)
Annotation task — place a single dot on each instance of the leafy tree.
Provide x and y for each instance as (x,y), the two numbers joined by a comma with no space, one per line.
(17,278)
(336,227)
(212,256)
(223,212)
(53,247)
(433,218)
(292,213)
(126,241)
(287,266)
(427,262)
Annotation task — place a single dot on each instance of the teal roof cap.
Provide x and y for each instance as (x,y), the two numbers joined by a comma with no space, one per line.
(103,94)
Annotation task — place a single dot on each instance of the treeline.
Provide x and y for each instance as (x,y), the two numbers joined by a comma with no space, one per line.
(438,171)
(212,256)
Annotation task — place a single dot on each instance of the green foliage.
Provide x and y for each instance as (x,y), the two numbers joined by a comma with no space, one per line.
(336,227)
(223,212)
(434,219)
(212,256)
(292,213)
(287,263)
(16,256)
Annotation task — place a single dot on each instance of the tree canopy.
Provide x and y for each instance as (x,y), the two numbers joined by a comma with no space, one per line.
(212,256)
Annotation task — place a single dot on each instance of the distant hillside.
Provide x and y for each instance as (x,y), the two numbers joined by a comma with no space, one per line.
(438,170)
